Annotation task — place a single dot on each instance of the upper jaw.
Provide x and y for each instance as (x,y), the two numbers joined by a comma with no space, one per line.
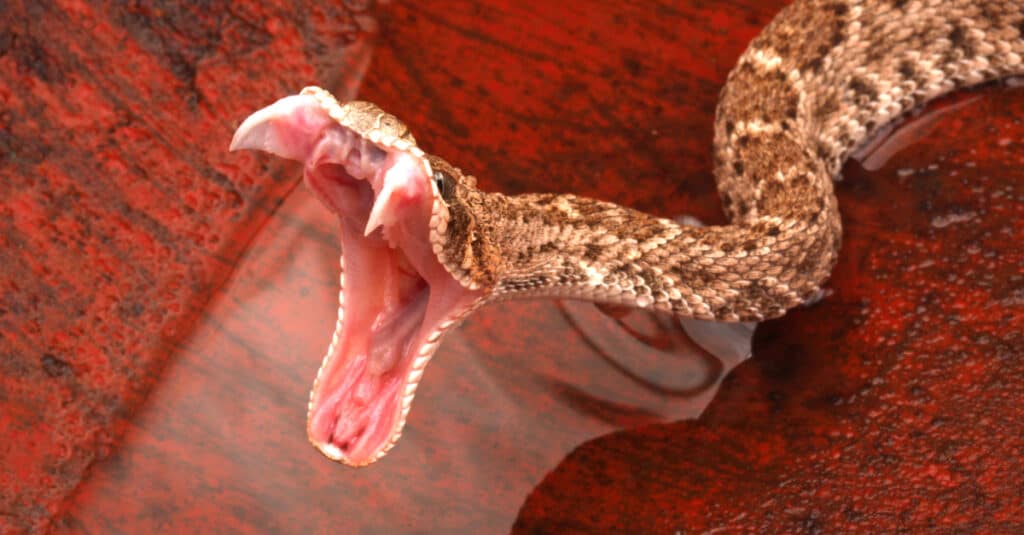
(295,128)
(288,128)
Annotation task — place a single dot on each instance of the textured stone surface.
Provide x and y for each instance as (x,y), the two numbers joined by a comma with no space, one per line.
(120,211)
(892,405)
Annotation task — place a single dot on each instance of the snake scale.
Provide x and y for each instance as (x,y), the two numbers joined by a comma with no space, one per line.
(422,246)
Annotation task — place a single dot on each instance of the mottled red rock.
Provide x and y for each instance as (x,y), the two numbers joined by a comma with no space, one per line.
(894,404)
(120,212)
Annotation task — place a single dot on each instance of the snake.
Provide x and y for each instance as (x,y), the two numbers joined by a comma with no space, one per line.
(422,246)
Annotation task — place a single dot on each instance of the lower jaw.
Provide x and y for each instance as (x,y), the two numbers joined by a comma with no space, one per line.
(390,322)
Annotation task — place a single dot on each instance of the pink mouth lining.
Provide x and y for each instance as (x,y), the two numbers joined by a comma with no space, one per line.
(396,299)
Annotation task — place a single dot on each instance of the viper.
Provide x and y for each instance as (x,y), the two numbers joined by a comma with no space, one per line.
(422,246)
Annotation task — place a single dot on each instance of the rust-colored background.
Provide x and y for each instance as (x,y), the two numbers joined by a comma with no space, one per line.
(164,304)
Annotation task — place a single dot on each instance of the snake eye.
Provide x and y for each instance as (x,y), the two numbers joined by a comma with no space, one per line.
(445,184)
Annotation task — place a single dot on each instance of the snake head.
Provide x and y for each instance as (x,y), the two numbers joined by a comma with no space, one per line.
(401,286)
(467,247)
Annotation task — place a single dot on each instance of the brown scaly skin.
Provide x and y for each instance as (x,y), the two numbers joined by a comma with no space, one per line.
(792,110)
(822,77)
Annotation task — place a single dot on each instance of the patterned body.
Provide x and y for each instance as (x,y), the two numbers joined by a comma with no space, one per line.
(423,246)
(820,79)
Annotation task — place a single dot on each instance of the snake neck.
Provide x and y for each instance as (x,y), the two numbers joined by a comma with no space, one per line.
(576,247)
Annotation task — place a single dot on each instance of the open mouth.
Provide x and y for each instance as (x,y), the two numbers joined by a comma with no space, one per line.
(396,300)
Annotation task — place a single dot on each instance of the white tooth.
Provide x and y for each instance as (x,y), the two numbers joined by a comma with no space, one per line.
(380,206)
(407,400)
(331,451)
(410,389)
(266,129)
(376,218)
(415,375)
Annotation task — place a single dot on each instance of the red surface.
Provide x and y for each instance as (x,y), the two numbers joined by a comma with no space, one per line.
(895,404)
